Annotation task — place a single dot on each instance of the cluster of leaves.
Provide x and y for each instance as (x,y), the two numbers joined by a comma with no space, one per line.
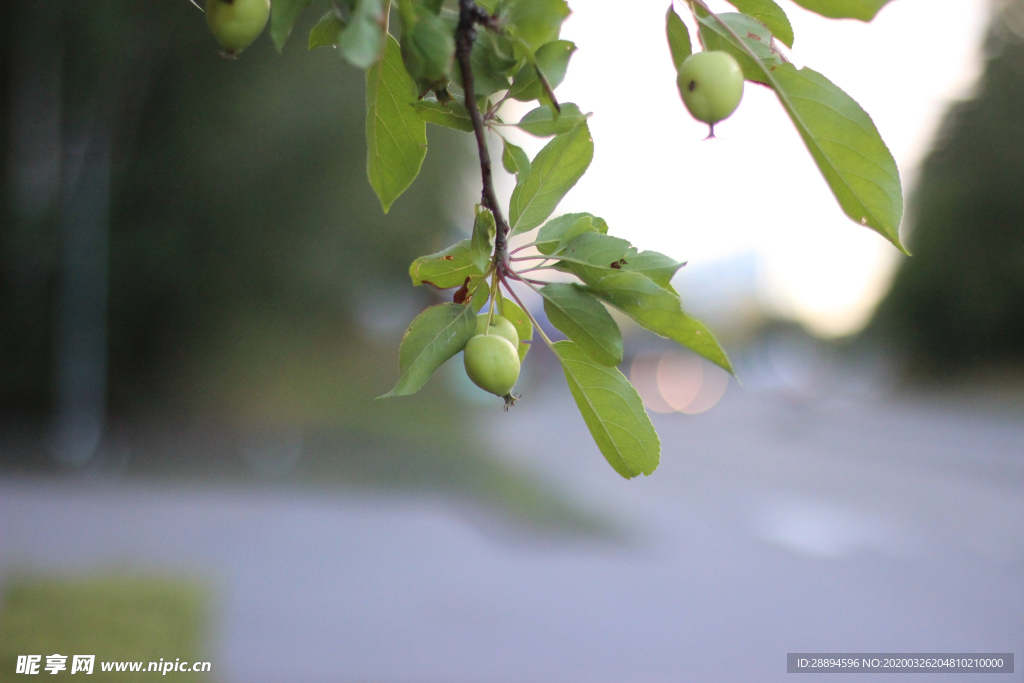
(422,77)
(609,270)
(839,134)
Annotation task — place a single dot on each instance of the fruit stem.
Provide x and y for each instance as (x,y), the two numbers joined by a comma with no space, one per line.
(494,302)
(529,315)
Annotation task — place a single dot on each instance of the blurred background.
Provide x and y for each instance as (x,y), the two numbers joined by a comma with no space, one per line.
(200,298)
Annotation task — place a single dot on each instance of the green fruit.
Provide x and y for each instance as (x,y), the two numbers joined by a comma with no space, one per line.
(492,363)
(500,326)
(711,84)
(236,23)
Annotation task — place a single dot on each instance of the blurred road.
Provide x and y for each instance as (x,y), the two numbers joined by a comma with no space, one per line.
(773,525)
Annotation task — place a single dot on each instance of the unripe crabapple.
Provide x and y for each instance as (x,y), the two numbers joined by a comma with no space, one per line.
(492,363)
(236,23)
(711,84)
(500,326)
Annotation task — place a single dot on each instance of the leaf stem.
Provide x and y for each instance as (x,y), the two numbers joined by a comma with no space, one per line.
(533,268)
(524,246)
(540,257)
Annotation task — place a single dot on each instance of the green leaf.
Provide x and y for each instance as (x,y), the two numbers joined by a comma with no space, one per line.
(596,256)
(536,22)
(362,41)
(658,267)
(447,268)
(678,38)
(492,59)
(613,412)
(521,322)
(452,115)
(847,148)
(481,293)
(436,335)
(584,320)
(552,59)
(557,167)
(515,160)
(558,232)
(327,31)
(466,258)
(543,123)
(592,254)
(659,311)
(845,145)
(755,34)
(484,230)
(865,10)
(283,14)
(396,138)
(769,14)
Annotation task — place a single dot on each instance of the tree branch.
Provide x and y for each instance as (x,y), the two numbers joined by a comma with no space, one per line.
(470,15)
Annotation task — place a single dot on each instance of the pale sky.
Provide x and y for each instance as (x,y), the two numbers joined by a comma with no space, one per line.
(756,190)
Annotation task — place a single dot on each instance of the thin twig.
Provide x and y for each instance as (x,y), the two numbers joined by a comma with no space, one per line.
(465,34)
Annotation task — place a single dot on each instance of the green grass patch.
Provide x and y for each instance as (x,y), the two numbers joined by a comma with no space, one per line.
(115,617)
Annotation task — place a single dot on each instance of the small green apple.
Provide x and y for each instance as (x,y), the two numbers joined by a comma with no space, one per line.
(492,363)
(500,326)
(711,84)
(236,23)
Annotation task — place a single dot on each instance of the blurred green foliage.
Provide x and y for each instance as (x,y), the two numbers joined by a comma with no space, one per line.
(244,236)
(255,285)
(240,202)
(958,304)
(114,617)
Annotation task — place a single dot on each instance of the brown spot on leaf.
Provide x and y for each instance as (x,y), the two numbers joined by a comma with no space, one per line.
(691,86)
(447,258)
(753,35)
(462,293)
